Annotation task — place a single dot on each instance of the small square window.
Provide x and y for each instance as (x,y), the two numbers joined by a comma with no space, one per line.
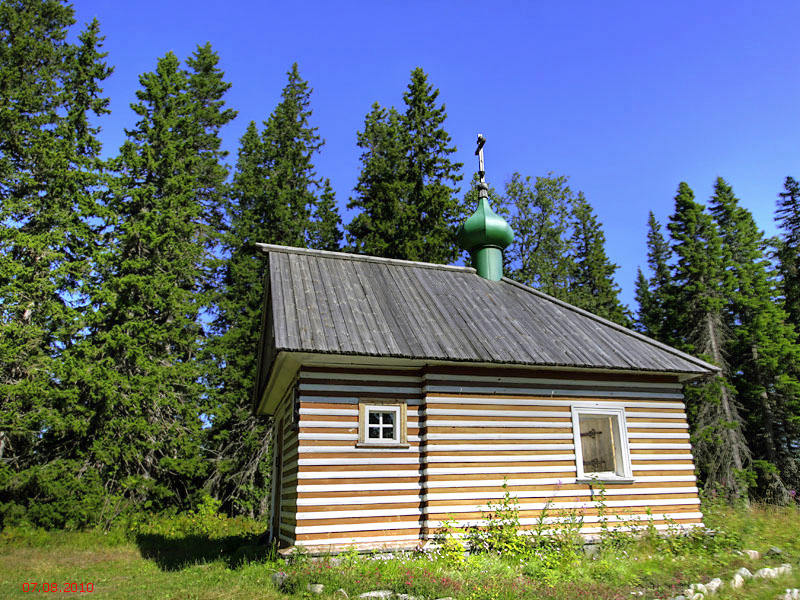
(601,444)
(382,423)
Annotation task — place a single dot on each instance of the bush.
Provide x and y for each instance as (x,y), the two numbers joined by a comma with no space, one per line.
(449,537)
(501,534)
(203,521)
(58,495)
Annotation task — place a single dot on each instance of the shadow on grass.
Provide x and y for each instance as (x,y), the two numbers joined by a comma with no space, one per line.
(174,554)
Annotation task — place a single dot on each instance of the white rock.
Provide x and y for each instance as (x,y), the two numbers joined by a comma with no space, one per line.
(699,588)
(737,581)
(340,593)
(753,554)
(744,572)
(696,591)
(377,594)
(405,597)
(315,588)
(713,585)
(765,573)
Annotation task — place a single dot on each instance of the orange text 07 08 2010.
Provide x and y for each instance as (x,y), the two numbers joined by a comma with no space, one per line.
(77,587)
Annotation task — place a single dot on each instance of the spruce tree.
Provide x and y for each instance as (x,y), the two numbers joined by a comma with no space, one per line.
(540,217)
(656,316)
(237,441)
(289,143)
(701,288)
(763,355)
(407,190)
(432,175)
(50,93)
(325,227)
(787,216)
(591,278)
(644,299)
(145,383)
(386,218)
(276,198)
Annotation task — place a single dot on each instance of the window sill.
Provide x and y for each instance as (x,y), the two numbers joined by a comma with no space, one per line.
(381,445)
(605,479)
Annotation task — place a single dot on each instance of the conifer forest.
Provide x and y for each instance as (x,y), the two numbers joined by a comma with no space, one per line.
(131,289)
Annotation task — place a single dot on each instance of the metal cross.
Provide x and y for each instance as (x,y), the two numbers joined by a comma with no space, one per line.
(479,154)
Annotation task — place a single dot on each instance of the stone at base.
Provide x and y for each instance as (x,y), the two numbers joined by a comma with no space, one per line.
(713,585)
(765,573)
(278,578)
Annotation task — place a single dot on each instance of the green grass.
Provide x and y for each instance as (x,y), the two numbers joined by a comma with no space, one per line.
(199,556)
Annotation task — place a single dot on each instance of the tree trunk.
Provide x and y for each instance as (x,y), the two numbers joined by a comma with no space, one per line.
(728,409)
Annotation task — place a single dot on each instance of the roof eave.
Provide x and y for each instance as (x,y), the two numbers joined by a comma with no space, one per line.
(300,357)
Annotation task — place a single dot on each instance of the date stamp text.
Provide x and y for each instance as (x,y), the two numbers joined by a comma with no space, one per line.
(75,587)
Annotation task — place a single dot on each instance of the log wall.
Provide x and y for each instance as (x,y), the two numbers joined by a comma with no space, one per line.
(469,430)
(285,418)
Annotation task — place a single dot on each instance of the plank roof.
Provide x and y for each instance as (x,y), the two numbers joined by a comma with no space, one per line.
(337,303)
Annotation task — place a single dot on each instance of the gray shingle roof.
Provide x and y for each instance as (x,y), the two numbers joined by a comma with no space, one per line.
(331,302)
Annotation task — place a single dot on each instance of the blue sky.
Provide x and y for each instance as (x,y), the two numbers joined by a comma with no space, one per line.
(625,98)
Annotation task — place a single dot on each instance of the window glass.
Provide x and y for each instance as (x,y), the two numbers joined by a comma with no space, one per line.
(598,444)
(381,425)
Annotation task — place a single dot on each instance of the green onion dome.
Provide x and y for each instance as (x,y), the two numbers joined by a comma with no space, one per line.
(484,235)
(484,228)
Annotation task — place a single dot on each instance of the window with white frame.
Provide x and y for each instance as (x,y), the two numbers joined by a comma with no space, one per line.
(382,423)
(601,443)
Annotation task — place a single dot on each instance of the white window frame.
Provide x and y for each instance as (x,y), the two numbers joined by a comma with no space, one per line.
(399,410)
(621,439)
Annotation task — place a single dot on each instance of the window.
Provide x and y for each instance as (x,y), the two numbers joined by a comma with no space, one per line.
(601,444)
(382,423)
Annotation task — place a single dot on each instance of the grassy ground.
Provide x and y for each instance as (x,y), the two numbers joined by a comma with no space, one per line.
(212,558)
